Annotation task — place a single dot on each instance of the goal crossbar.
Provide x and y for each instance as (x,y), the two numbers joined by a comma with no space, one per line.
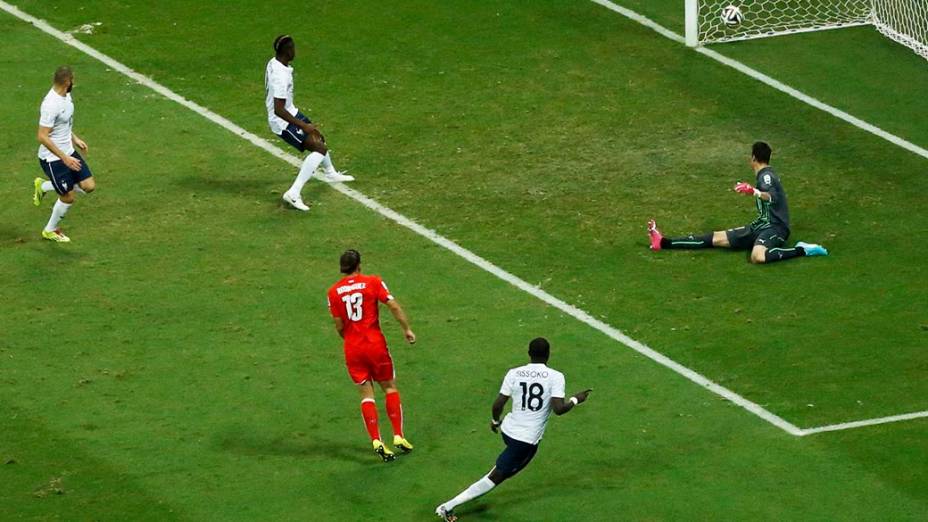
(904,21)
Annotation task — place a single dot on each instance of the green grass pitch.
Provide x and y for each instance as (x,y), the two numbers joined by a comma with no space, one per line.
(176,361)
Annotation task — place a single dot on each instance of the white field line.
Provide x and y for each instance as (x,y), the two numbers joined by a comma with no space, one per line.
(431,235)
(763,78)
(865,422)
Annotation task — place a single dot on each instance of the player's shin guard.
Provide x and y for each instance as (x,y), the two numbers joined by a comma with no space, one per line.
(782,254)
(688,242)
(395,412)
(369,413)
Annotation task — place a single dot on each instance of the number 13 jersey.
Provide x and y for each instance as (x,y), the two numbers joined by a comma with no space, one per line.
(355,300)
(531,387)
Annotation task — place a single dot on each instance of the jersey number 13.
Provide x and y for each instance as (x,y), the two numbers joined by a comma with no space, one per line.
(354,306)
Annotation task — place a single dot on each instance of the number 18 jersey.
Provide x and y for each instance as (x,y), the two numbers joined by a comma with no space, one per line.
(531,387)
(355,300)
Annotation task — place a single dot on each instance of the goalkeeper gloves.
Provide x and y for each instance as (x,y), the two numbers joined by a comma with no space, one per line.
(746,188)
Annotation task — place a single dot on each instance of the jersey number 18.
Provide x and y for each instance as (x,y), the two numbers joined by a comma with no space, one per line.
(531,396)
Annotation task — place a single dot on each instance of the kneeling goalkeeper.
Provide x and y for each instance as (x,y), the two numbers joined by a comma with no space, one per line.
(765,236)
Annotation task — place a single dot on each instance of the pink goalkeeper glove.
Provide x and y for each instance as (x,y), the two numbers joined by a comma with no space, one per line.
(746,188)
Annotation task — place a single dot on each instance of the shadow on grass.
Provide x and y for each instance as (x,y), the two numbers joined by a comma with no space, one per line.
(257,443)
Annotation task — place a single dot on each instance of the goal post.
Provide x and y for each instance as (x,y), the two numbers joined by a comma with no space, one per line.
(905,21)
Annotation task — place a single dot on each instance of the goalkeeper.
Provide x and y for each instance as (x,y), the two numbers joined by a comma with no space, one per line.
(765,236)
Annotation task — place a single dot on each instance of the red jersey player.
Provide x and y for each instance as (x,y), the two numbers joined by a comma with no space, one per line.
(354,305)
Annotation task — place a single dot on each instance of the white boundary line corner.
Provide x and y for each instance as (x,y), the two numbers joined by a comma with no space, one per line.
(865,422)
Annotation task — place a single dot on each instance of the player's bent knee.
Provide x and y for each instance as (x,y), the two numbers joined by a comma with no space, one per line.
(88,185)
(67,198)
(496,476)
(720,239)
(758,258)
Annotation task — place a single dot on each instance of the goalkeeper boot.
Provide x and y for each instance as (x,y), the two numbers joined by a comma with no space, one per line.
(655,234)
(39,194)
(383,451)
(404,445)
(812,249)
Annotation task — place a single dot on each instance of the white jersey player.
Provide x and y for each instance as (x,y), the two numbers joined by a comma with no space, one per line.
(64,167)
(536,391)
(287,122)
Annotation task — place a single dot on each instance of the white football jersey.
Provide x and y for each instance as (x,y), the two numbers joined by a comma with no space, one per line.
(278,83)
(531,387)
(57,112)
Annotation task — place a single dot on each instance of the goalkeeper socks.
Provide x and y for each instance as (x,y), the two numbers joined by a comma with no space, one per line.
(782,254)
(369,413)
(395,412)
(688,242)
(306,172)
(58,212)
(481,487)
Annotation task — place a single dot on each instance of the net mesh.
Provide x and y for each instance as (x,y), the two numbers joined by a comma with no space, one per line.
(905,21)
(774,17)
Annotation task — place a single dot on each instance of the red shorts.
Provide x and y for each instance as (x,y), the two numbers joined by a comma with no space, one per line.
(369,363)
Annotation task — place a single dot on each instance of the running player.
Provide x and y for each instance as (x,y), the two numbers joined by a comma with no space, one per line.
(765,236)
(536,390)
(66,170)
(291,125)
(353,303)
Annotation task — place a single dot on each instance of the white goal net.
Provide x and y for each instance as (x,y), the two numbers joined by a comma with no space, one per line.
(905,21)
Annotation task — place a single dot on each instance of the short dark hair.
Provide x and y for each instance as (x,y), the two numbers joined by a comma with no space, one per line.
(539,349)
(350,261)
(761,152)
(282,42)
(63,74)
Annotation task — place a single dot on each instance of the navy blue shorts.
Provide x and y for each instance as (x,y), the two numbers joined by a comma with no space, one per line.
(64,179)
(515,457)
(295,135)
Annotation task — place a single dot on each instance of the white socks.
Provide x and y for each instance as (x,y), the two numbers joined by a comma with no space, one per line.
(47,186)
(58,212)
(476,489)
(327,164)
(306,173)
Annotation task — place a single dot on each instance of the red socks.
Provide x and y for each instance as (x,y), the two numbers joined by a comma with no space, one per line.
(395,412)
(369,413)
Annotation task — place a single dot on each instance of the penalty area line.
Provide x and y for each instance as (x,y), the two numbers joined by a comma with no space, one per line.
(765,79)
(865,422)
(427,233)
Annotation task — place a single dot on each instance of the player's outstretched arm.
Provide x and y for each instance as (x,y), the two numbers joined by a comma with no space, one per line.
(401,318)
(560,406)
(498,406)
